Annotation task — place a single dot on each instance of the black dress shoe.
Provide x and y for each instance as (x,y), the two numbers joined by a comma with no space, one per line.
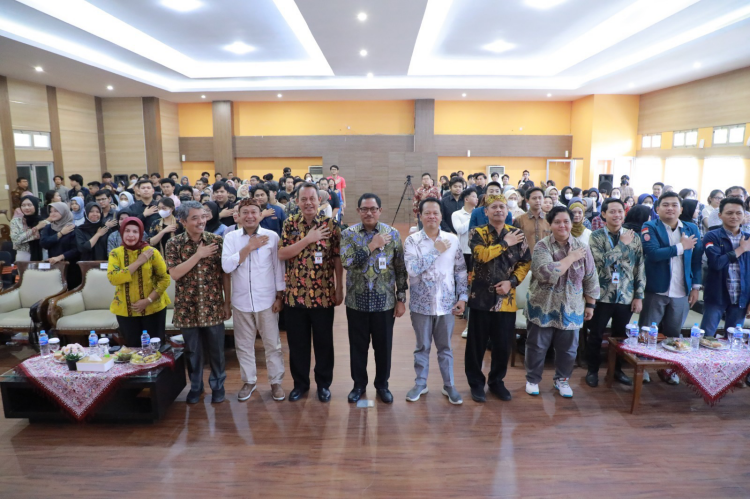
(500,392)
(193,397)
(477,394)
(355,394)
(324,394)
(297,393)
(592,379)
(623,378)
(385,395)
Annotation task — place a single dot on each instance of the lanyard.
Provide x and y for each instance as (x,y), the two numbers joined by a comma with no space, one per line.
(615,266)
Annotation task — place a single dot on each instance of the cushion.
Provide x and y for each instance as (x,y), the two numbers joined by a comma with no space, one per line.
(170,294)
(89,319)
(98,292)
(520,319)
(39,284)
(522,292)
(72,304)
(170,316)
(18,318)
(10,301)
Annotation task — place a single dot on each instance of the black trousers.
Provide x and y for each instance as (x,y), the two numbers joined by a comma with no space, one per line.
(131,328)
(362,326)
(620,315)
(303,326)
(499,327)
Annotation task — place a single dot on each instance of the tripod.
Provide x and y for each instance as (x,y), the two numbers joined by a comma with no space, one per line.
(407,184)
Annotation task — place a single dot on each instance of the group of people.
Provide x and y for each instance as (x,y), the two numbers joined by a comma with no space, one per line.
(257,249)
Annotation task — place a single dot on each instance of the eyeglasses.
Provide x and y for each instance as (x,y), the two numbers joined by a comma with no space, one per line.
(371,210)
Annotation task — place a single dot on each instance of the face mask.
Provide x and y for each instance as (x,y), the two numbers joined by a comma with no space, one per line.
(615,196)
(164,213)
(512,203)
(123,204)
(568,196)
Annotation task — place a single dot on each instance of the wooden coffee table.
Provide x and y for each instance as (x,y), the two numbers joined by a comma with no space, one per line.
(639,365)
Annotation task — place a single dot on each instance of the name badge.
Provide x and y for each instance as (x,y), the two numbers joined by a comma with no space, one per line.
(318,258)
(381,263)
(615,278)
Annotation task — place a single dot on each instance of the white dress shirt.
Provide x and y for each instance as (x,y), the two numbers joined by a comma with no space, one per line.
(677,266)
(255,281)
(461,219)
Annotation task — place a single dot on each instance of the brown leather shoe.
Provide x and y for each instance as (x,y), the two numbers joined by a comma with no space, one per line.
(247,390)
(278,393)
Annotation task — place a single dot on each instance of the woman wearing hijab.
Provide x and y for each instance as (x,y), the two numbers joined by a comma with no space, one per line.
(76,208)
(59,240)
(595,203)
(636,217)
(185,181)
(25,230)
(114,240)
(91,236)
(553,193)
(140,277)
(690,211)
(214,225)
(126,201)
(650,201)
(243,192)
(566,194)
(579,231)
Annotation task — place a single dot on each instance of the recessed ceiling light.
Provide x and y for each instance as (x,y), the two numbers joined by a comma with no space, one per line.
(362,16)
(363,53)
(369,75)
(543,4)
(39,69)
(203,96)
(110,87)
(279,96)
(696,65)
(549,95)
(499,46)
(181,5)
(463,95)
(239,48)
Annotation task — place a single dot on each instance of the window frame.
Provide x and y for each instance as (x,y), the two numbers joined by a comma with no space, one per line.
(684,134)
(31,134)
(729,129)
(651,145)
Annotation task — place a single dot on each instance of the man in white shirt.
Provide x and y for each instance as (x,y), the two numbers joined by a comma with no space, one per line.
(250,255)
(438,290)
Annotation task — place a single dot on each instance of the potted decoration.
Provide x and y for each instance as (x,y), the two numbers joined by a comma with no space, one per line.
(73,353)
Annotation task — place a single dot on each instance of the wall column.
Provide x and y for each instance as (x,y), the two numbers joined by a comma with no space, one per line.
(100,133)
(152,132)
(424,125)
(54,127)
(6,130)
(224,161)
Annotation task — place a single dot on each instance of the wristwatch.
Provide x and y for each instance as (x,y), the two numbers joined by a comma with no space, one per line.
(591,305)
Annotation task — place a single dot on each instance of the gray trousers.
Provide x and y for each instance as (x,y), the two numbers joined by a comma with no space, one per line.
(671,313)
(213,338)
(537,344)
(427,328)
(247,325)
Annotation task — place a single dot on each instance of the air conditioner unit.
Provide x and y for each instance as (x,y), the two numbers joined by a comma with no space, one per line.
(316,172)
(495,169)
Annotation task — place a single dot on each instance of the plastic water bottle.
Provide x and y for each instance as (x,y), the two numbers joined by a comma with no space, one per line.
(736,343)
(93,343)
(695,337)
(632,330)
(43,344)
(653,335)
(145,341)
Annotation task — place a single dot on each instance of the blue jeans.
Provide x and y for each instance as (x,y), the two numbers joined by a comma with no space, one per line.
(712,315)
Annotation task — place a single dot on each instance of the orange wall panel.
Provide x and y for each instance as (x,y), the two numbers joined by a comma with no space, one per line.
(513,166)
(196,119)
(193,169)
(502,118)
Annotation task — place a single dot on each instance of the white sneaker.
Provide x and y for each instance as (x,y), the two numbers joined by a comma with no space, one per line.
(563,387)
(673,379)
(532,388)
(465,334)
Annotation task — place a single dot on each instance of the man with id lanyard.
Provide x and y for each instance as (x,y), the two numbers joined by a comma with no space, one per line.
(310,247)
(376,283)
(618,255)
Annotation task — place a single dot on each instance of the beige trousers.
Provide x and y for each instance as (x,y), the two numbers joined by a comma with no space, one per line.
(246,326)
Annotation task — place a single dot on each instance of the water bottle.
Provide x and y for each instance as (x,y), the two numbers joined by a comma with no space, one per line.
(653,335)
(737,338)
(43,344)
(93,343)
(695,337)
(145,341)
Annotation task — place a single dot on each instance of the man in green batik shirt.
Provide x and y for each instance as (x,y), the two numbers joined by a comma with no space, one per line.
(373,256)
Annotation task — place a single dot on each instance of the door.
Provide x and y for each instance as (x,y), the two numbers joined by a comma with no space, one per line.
(40,177)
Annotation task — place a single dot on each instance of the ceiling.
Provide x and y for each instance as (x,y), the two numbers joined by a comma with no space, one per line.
(310,49)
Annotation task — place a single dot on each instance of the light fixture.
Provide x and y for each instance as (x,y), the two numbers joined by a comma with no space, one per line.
(279,96)
(110,87)
(696,65)
(239,48)
(549,95)
(362,16)
(499,46)
(543,4)
(369,75)
(363,53)
(463,95)
(39,69)
(203,96)
(181,5)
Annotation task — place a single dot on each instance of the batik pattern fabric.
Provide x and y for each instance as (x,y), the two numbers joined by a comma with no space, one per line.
(424,193)
(612,256)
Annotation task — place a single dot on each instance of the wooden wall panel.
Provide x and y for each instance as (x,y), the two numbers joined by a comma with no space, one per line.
(78,135)
(719,100)
(28,106)
(318,145)
(7,147)
(197,148)
(535,146)
(170,134)
(152,134)
(100,133)
(54,124)
(424,125)
(124,135)
(223,135)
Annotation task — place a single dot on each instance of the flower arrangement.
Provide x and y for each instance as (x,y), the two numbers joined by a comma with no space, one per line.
(73,352)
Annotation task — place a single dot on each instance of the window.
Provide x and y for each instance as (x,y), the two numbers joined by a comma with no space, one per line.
(651,141)
(685,138)
(682,173)
(646,172)
(31,140)
(732,134)
(720,173)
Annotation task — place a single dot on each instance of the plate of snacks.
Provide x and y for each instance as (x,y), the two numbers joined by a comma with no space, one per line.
(676,345)
(142,358)
(714,344)
(123,355)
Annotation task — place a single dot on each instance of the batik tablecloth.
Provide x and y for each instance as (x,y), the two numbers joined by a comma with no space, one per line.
(711,372)
(79,393)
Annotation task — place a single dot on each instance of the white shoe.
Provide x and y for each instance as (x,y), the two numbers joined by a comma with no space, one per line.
(673,379)
(465,334)
(532,388)
(563,387)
